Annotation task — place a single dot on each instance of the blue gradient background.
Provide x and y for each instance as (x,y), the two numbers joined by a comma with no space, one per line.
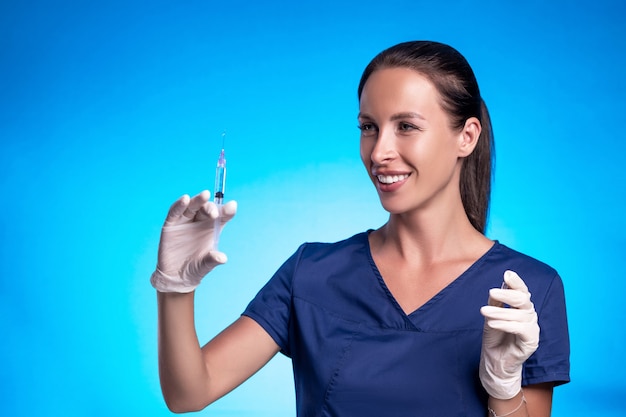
(110,111)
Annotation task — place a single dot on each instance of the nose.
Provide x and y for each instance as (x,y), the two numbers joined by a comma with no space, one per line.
(385,147)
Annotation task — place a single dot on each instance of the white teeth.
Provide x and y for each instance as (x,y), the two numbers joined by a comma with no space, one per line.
(390,179)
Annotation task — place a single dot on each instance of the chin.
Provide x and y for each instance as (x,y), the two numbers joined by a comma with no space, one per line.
(393,208)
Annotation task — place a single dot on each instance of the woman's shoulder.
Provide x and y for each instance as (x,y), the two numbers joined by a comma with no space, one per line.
(515,258)
(358,241)
(540,277)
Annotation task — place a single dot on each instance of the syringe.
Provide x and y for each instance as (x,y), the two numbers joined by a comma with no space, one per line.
(220,186)
(220,179)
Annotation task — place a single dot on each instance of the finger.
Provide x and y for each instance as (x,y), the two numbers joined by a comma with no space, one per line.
(525,331)
(196,204)
(210,261)
(205,263)
(514,298)
(514,281)
(493,301)
(177,209)
(208,211)
(228,211)
(508,314)
(214,257)
(528,333)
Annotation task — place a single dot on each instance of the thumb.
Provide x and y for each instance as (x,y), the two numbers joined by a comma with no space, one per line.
(202,266)
(219,257)
(212,259)
(514,281)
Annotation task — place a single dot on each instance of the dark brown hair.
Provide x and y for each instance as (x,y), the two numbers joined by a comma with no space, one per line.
(454,79)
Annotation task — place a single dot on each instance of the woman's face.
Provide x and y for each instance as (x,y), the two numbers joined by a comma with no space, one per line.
(407,145)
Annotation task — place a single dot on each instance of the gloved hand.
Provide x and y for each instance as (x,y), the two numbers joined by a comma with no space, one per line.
(187,248)
(510,336)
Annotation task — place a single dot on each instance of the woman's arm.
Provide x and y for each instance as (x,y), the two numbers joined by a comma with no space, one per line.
(539,399)
(191,377)
(537,402)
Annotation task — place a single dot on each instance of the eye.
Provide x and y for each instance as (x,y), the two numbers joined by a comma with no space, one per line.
(406,127)
(367,129)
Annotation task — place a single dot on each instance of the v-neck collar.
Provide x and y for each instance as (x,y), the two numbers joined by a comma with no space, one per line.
(412,318)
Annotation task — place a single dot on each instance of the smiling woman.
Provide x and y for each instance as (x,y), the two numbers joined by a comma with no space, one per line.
(416,146)
(389,320)
(447,85)
(110,110)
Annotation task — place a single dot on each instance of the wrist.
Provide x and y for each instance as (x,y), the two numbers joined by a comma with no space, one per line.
(165,283)
(512,407)
(500,383)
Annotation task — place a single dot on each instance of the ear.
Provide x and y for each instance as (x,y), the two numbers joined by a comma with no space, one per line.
(468,138)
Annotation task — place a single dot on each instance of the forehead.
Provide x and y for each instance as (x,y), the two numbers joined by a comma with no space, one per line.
(398,89)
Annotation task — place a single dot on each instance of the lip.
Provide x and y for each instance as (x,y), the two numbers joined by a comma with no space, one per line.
(398,179)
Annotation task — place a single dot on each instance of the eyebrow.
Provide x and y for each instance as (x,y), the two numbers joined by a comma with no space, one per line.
(397,116)
(407,115)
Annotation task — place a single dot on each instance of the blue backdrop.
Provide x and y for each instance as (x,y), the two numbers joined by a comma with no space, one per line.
(109,111)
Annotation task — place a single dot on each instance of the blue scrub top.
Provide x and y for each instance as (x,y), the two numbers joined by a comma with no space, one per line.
(356,353)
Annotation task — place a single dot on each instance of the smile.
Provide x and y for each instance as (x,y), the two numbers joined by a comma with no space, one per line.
(391,179)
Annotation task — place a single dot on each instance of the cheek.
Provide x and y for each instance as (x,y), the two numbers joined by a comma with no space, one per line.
(365,149)
(442,147)
(443,161)
(433,156)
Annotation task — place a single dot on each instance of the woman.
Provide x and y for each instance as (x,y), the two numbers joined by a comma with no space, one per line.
(390,321)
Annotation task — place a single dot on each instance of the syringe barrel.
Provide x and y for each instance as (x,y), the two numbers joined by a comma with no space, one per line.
(220,183)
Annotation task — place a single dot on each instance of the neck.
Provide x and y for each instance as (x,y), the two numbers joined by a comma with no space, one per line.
(431,236)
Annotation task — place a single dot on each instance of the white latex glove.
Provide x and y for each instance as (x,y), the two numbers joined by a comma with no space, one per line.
(187,249)
(510,336)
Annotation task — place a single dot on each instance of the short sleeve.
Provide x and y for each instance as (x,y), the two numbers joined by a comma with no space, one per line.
(550,363)
(272,307)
